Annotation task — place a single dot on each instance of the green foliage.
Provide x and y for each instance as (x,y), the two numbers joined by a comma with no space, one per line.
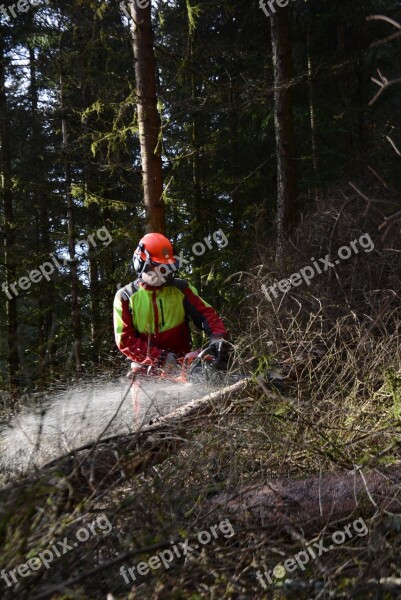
(194,12)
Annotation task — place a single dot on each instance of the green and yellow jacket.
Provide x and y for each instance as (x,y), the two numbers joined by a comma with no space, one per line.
(150,321)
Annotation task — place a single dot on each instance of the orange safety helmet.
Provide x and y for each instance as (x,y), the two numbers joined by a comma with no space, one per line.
(154,249)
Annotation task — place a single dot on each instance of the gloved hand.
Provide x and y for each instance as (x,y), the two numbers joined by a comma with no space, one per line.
(170,362)
(221,349)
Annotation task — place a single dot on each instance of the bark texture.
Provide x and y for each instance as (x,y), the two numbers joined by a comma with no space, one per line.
(284,128)
(148,117)
(316,500)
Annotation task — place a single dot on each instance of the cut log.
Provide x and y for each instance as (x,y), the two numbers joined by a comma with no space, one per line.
(316,500)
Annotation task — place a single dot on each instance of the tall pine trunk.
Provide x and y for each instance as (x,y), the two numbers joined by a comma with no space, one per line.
(76,319)
(9,231)
(201,226)
(284,128)
(312,114)
(93,254)
(45,289)
(94,285)
(148,117)
(345,85)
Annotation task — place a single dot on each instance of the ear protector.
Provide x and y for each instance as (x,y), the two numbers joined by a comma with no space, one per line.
(140,264)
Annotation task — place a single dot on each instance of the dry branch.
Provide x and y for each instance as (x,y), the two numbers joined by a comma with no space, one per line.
(383,82)
(389,38)
(388,138)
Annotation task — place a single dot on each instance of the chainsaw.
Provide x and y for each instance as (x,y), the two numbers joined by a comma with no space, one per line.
(197,367)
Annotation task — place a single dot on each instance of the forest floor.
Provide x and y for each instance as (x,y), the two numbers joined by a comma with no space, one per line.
(152,514)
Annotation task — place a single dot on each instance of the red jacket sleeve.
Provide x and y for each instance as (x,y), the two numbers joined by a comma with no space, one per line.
(203,315)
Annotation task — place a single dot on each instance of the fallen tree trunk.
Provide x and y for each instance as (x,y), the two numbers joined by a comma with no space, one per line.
(120,457)
(316,500)
(92,468)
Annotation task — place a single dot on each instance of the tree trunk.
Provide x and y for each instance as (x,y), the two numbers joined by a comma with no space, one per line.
(148,117)
(9,234)
(316,500)
(312,113)
(45,293)
(284,128)
(76,319)
(90,183)
(95,304)
(201,213)
(344,89)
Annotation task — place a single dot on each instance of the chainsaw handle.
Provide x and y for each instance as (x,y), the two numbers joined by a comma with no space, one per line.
(209,351)
(207,354)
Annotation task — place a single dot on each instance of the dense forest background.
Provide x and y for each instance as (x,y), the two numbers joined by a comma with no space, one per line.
(70,155)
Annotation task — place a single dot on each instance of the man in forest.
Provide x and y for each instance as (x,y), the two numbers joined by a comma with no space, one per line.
(151,315)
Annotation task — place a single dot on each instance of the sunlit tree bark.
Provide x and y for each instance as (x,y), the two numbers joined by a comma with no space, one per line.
(148,116)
